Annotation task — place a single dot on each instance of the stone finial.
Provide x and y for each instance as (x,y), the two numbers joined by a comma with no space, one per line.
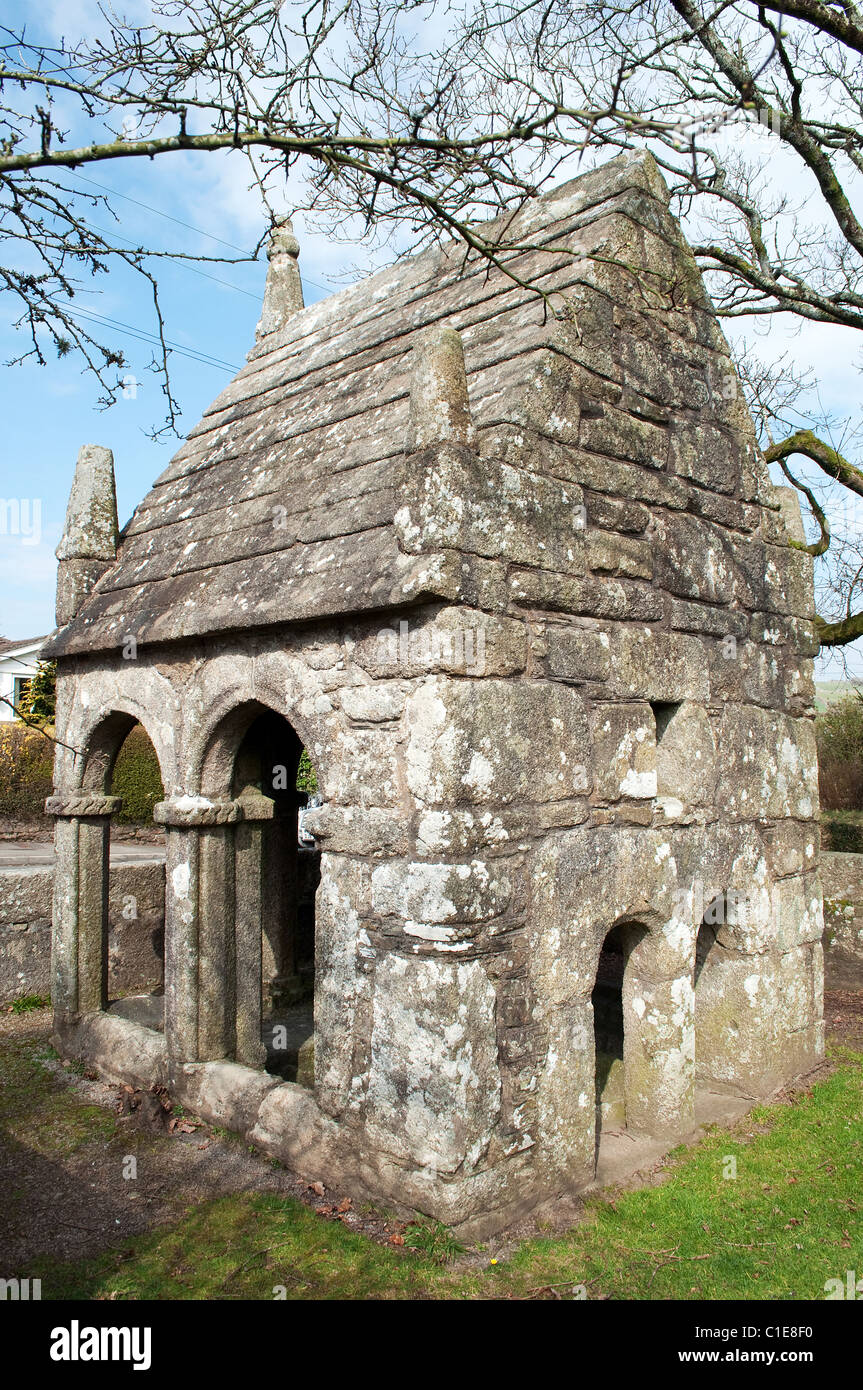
(440,408)
(89,541)
(283,294)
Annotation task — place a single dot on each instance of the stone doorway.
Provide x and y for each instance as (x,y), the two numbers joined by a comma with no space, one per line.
(103,949)
(619,1025)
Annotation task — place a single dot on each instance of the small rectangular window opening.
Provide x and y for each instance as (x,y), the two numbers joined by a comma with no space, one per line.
(663,713)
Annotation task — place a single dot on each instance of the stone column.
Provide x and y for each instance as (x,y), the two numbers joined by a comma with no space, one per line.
(253,901)
(283,293)
(213,907)
(439,401)
(181,940)
(89,543)
(79,955)
(216,953)
(198,924)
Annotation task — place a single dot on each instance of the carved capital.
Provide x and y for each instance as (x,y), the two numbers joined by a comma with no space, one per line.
(82,803)
(188,812)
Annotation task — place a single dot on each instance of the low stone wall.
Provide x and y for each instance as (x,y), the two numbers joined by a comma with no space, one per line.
(136,919)
(842,885)
(42,830)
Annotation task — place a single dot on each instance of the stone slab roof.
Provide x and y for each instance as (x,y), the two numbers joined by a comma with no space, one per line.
(281,505)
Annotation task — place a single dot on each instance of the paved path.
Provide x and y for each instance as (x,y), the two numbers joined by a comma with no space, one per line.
(39,854)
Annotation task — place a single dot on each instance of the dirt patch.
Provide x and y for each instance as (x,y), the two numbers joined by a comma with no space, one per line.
(843,1016)
(65,1151)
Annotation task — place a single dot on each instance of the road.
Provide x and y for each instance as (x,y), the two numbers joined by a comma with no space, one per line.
(39,854)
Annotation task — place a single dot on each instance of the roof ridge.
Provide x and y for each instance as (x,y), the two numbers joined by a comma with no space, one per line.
(624,165)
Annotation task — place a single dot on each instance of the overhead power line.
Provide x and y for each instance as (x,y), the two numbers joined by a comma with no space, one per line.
(180,223)
(181,264)
(159,213)
(143,335)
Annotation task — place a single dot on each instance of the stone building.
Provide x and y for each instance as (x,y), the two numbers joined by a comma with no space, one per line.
(509,567)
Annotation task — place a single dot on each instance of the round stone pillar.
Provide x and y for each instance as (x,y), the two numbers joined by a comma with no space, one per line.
(79,941)
(213,921)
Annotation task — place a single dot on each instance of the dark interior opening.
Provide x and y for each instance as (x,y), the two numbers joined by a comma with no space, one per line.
(610,1021)
(607,1000)
(607,997)
(663,713)
(271,763)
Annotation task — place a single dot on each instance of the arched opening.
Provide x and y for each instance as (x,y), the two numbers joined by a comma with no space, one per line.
(614,1018)
(272,763)
(135,943)
(109,900)
(261,873)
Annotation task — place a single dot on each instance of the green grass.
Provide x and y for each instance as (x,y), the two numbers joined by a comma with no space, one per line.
(26,1003)
(434,1239)
(249,1246)
(37,1109)
(789,1221)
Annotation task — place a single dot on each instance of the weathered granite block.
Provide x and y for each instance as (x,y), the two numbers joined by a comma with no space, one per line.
(136,922)
(842,879)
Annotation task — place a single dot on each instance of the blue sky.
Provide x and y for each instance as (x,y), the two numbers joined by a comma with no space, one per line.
(49,412)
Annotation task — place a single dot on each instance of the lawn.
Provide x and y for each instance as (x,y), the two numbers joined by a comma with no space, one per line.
(768,1210)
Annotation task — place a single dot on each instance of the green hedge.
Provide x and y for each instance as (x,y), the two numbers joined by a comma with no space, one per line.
(27,775)
(839,731)
(136,779)
(26,772)
(307,779)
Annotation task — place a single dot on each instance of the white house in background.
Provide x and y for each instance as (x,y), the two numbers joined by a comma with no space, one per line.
(19,662)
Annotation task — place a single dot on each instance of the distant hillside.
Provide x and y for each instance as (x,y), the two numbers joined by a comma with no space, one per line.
(828,692)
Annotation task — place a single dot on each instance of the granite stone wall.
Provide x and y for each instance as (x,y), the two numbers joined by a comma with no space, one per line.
(136,917)
(842,880)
